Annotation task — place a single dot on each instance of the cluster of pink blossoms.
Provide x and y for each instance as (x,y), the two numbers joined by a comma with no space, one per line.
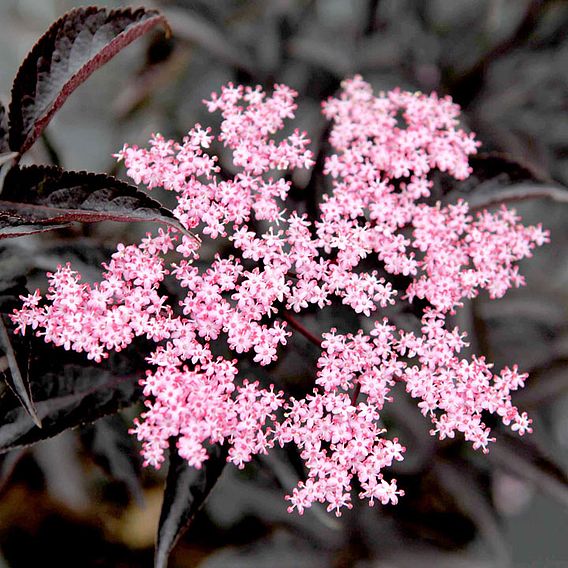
(283,263)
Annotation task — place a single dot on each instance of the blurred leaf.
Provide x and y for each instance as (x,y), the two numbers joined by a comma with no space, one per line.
(12,280)
(268,48)
(421,447)
(288,480)
(6,157)
(16,381)
(430,513)
(542,310)
(471,498)
(190,26)
(279,549)
(186,490)
(521,192)
(113,449)
(467,86)
(491,171)
(66,395)
(502,168)
(4,148)
(546,384)
(46,195)
(150,80)
(8,463)
(527,461)
(72,49)
(327,55)
(62,471)
(86,255)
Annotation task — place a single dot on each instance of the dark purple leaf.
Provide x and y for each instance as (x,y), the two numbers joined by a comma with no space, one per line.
(4,148)
(498,178)
(547,383)
(67,393)
(502,168)
(72,49)
(428,511)
(38,198)
(516,193)
(14,348)
(331,56)
(13,271)
(16,380)
(490,171)
(186,490)
(149,80)
(15,225)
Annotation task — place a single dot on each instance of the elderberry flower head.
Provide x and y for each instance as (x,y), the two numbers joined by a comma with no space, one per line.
(377,213)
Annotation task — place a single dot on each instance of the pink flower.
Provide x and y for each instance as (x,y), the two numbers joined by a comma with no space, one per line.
(384,148)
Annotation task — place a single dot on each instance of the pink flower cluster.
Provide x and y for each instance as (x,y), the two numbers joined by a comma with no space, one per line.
(282,263)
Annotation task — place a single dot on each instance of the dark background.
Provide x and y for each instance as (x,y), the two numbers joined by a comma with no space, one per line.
(506,63)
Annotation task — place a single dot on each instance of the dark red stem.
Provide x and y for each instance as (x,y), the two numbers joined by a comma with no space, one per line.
(294,323)
(355,394)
